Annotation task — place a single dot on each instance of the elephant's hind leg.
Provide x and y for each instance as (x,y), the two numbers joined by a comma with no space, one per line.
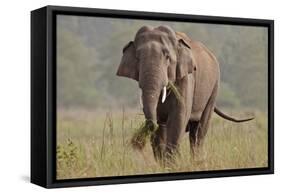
(198,130)
(197,133)
(193,129)
(158,142)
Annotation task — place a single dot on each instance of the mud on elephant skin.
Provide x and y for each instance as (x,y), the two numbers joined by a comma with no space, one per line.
(179,80)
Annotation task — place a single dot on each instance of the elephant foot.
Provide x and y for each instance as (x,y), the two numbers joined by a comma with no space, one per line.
(158,143)
(171,153)
(198,156)
(158,149)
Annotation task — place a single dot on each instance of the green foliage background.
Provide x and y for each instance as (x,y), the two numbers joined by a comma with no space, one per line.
(89,50)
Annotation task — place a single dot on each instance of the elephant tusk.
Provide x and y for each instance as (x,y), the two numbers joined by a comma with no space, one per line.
(140,98)
(164,95)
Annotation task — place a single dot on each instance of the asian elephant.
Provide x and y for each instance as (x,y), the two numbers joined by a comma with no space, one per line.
(159,56)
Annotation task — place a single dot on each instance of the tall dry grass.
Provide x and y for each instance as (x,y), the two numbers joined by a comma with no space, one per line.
(97,143)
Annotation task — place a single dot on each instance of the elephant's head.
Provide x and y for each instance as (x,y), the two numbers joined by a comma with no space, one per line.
(156,56)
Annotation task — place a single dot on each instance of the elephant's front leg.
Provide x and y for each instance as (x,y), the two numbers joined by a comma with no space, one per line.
(158,142)
(176,125)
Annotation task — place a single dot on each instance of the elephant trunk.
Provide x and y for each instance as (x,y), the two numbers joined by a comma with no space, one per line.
(150,101)
(152,79)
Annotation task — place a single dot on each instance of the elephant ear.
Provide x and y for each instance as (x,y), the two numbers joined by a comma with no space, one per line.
(128,66)
(185,60)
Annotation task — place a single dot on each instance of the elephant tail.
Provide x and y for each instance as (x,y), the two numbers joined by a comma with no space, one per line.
(223,115)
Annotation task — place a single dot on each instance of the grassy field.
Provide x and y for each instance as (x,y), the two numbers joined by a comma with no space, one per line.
(97,143)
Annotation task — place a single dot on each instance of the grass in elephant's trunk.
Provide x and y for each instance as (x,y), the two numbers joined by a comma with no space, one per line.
(143,133)
(147,128)
(175,91)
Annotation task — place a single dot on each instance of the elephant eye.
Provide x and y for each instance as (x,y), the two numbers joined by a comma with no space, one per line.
(166,55)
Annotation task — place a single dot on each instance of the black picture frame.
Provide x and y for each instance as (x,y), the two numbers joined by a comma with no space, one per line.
(43,95)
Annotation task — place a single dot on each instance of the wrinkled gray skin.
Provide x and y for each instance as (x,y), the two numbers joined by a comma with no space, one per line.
(158,55)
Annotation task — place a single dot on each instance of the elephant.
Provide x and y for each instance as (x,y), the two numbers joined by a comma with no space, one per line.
(159,56)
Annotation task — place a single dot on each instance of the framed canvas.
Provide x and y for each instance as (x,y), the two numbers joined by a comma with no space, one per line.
(126,96)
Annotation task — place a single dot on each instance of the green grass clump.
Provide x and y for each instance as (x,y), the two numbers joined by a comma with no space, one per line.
(143,133)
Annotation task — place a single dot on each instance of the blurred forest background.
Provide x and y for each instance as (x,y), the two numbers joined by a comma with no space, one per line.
(89,50)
